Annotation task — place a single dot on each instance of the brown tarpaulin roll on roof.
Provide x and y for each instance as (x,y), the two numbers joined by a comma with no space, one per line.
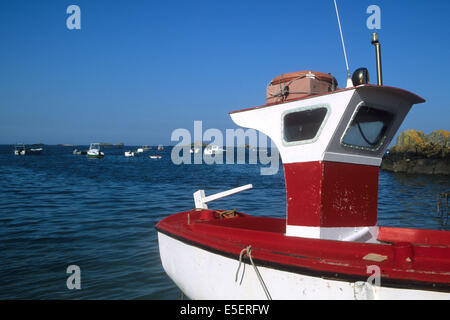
(299,84)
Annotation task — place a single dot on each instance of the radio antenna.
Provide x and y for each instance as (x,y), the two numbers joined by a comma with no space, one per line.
(349,80)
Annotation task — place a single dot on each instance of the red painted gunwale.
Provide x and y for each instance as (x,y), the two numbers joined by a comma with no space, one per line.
(428,270)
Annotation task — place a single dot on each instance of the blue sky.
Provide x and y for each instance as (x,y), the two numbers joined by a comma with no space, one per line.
(137,70)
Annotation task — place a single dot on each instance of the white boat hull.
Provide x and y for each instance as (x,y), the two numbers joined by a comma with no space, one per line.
(201,274)
(95,154)
(27,152)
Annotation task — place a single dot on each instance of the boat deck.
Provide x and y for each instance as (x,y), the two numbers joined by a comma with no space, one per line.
(406,257)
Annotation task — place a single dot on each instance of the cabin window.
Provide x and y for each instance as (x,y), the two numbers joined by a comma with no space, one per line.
(303,125)
(367,129)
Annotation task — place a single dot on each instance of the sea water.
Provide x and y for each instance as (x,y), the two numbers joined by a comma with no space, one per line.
(60,209)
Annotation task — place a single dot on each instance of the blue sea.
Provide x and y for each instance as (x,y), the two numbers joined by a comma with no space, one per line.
(59,209)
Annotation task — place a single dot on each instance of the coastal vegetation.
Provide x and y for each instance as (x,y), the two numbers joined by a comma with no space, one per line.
(417,152)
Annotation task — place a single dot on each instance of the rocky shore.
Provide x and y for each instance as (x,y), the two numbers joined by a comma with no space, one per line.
(416,152)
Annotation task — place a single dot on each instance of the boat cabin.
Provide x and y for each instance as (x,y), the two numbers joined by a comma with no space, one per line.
(94,146)
(331,145)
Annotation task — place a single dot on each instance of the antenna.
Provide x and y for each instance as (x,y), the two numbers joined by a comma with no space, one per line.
(349,80)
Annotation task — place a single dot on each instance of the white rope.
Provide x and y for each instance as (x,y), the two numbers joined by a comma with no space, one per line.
(342,38)
(248,250)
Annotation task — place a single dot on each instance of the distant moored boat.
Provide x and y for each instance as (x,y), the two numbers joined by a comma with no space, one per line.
(21,150)
(94,151)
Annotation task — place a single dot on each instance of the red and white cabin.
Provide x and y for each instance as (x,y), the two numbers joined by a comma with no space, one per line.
(331,145)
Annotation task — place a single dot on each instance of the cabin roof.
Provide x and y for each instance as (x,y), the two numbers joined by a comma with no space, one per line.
(415,99)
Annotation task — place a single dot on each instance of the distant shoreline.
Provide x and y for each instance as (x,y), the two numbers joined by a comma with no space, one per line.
(418,153)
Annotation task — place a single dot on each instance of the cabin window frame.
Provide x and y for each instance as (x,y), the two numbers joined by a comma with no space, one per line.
(381,142)
(300,109)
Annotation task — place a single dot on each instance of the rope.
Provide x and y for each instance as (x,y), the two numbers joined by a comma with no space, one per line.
(282,89)
(248,251)
(225,214)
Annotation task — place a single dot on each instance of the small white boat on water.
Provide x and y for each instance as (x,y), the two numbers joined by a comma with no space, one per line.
(138,152)
(155,157)
(19,150)
(195,150)
(22,150)
(213,149)
(76,151)
(94,151)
